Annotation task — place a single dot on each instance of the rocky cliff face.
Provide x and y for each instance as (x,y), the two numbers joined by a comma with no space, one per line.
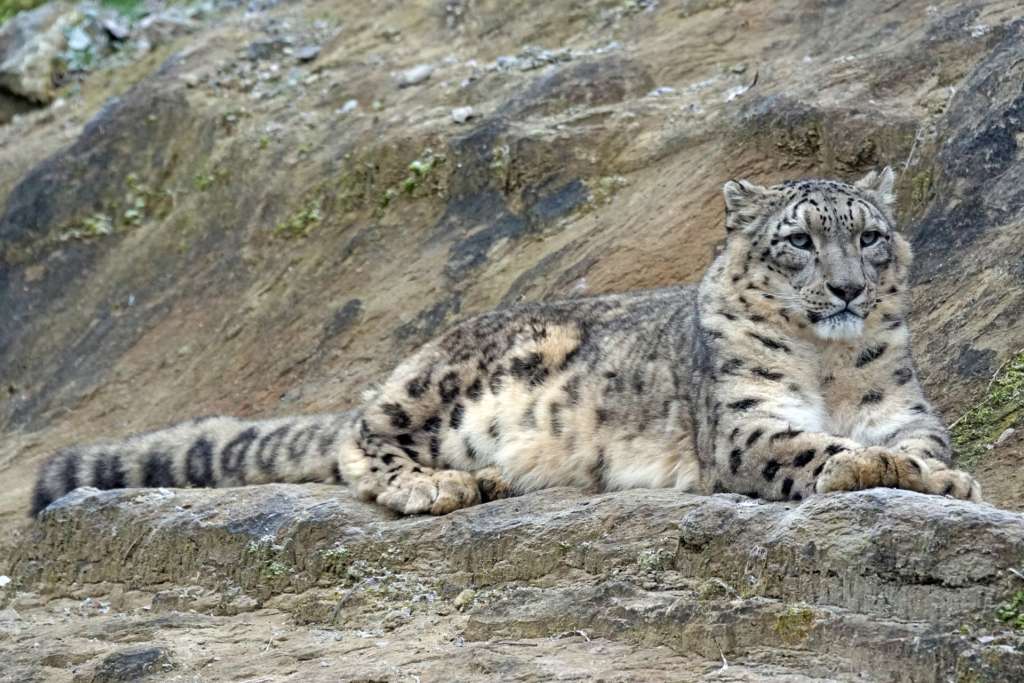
(258,210)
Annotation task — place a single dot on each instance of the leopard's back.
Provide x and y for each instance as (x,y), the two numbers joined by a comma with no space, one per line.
(591,393)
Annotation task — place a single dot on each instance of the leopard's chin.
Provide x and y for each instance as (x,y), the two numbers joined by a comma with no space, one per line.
(842,326)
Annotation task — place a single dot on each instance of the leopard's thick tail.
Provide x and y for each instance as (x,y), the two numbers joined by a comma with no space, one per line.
(205,452)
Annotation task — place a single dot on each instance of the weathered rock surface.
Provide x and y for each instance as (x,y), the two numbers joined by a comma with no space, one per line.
(209,224)
(878,585)
(30,45)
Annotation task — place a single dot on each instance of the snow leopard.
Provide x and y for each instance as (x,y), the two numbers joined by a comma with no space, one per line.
(785,373)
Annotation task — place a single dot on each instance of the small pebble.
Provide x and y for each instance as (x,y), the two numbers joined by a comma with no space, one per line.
(349,107)
(308,53)
(462,114)
(464,598)
(116,29)
(415,75)
(78,39)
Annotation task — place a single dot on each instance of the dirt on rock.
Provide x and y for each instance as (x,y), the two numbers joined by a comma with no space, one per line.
(247,210)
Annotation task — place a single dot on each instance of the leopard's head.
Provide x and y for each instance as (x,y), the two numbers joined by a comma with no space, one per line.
(822,250)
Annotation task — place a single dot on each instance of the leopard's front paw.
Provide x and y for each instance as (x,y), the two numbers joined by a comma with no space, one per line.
(437,492)
(877,466)
(870,467)
(956,483)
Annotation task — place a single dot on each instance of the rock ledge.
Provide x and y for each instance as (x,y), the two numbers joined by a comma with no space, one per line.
(891,584)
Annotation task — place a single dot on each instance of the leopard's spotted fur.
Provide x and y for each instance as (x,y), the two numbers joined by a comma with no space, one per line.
(787,372)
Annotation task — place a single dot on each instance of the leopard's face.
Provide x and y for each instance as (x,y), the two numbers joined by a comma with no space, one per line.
(826,250)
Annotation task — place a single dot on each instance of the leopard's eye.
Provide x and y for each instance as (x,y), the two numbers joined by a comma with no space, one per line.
(870,237)
(800,240)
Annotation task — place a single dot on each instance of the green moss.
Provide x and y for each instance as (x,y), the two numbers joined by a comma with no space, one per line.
(501,161)
(338,552)
(96,225)
(420,182)
(715,589)
(921,188)
(420,171)
(8,8)
(336,560)
(276,569)
(208,178)
(203,181)
(136,201)
(129,8)
(93,226)
(302,222)
(655,560)
(1000,408)
(264,560)
(794,625)
(388,197)
(377,177)
(356,184)
(1012,612)
(604,188)
(141,202)
(421,168)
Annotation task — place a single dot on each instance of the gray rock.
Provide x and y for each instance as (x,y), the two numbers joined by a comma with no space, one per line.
(118,28)
(462,114)
(307,53)
(157,29)
(415,75)
(132,665)
(78,39)
(260,50)
(87,43)
(880,581)
(30,45)
(532,57)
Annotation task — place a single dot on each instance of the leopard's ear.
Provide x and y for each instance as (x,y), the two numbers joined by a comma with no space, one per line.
(744,202)
(880,184)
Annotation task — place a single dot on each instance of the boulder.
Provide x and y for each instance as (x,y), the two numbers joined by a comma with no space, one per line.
(30,47)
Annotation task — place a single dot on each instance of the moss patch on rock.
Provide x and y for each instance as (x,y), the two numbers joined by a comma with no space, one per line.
(96,225)
(921,189)
(794,625)
(204,180)
(420,182)
(1001,407)
(1012,611)
(302,221)
(8,8)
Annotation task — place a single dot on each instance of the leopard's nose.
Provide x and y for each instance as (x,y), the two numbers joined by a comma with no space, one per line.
(846,292)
